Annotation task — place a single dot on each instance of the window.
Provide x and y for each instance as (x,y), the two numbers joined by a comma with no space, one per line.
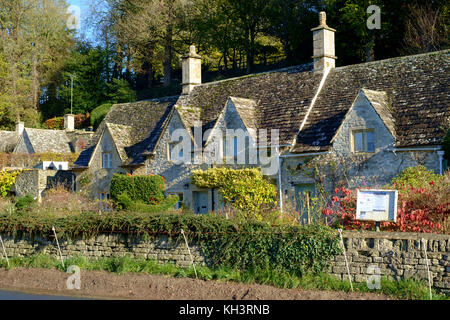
(107,160)
(235,148)
(363,141)
(180,155)
(103,203)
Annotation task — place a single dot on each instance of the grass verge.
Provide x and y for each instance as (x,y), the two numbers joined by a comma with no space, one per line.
(404,289)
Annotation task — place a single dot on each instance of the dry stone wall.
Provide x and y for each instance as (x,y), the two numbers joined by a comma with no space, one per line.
(395,255)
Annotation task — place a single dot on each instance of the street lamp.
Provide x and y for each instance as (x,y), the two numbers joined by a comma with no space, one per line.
(71,91)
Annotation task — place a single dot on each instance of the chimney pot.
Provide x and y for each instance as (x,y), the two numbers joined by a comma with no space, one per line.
(323,43)
(20,126)
(191,70)
(69,122)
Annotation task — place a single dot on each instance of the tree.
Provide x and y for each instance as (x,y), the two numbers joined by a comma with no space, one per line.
(426,29)
(34,41)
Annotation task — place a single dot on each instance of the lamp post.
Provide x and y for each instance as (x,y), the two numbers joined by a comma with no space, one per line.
(71,92)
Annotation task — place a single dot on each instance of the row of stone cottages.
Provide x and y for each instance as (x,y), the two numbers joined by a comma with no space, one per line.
(371,120)
(374,119)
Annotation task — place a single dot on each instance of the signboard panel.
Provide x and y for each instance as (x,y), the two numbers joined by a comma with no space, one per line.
(376,205)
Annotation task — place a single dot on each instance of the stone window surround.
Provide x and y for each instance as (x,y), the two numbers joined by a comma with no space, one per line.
(354,130)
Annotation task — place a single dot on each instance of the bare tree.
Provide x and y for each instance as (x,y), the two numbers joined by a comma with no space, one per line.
(426,30)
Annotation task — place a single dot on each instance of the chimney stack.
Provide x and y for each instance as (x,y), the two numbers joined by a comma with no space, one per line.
(192,70)
(323,43)
(20,126)
(69,122)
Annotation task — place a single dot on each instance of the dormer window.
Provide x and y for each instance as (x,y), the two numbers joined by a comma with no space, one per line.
(363,140)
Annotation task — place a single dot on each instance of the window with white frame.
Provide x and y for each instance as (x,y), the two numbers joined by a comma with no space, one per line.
(179,204)
(363,140)
(107,160)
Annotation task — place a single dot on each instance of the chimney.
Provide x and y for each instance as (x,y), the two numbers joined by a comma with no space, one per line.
(323,43)
(20,126)
(69,122)
(192,70)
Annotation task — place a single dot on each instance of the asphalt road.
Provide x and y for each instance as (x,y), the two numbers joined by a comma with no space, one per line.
(11,295)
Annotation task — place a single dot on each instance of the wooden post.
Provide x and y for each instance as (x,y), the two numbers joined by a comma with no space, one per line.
(345,257)
(307,208)
(428,268)
(59,249)
(189,250)
(4,251)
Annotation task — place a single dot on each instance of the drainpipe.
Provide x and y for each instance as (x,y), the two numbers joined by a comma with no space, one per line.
(441,159)
(280,191)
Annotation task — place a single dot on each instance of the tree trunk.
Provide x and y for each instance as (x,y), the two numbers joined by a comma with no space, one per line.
(168,57)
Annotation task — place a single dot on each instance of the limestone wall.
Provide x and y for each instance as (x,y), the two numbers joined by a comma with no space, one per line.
(397,255)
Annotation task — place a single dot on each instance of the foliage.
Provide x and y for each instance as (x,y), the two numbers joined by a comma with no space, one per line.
(55,123)
(422,207)
(242,245)
(148,189)
(7,179)
(24,203)
(99,113)
(246,190)
(417,177)
(126,203)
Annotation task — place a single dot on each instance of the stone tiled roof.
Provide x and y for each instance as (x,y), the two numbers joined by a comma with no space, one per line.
(411,95)
(380,102)
(282,98)
(144,122)
(8,141)
(42,140)
(416,86)
(122,137)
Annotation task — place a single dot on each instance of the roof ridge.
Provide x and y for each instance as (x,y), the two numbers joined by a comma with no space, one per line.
(396,58)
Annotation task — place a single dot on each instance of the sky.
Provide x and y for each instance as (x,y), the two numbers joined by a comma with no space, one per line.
(84,9)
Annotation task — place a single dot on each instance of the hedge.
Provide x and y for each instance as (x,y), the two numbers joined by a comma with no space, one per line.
(147,189)
(247,245)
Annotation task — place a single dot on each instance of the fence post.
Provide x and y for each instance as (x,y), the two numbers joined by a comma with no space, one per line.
(59,249)
(428,268)
(189,250)
(345,257)
(4,251)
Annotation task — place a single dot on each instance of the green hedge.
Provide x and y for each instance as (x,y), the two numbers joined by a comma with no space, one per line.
(146,189)
(126,203)
(99,113)
(227,243)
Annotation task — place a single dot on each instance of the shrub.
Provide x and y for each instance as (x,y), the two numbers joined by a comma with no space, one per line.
(422,207)
(249,245)
(246,190)
(125,202)
(7,180)
(148,189)
(56,123)
(99,113)
(23,203)
(417,177)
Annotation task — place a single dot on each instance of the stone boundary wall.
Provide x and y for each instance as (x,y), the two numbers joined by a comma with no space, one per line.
(397,255)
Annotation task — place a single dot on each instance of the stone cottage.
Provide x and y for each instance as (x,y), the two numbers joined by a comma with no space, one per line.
(30,140)
(370,120)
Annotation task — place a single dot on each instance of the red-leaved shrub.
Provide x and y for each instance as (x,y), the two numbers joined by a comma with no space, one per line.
(425,209)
